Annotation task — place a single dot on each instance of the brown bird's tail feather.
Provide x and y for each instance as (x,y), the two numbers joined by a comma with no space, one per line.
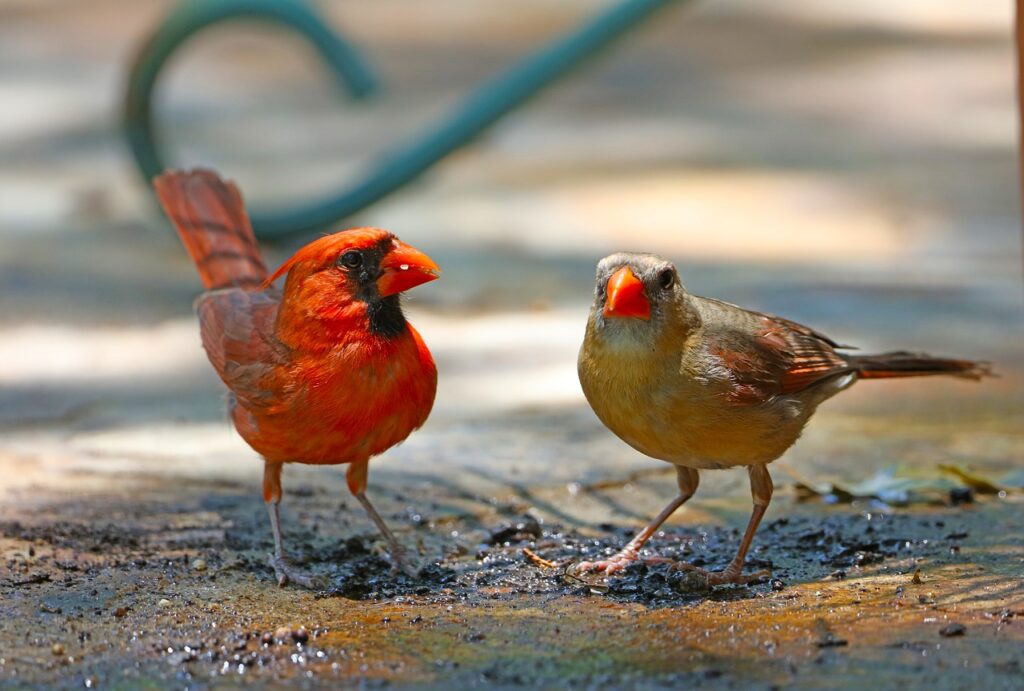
(904,364)
(210,218)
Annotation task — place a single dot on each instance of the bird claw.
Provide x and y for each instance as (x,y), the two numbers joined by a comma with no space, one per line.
(287,573)
(610,566)
(400,562)
(701,579)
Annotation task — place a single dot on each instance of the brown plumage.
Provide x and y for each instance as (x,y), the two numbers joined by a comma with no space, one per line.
(702,383)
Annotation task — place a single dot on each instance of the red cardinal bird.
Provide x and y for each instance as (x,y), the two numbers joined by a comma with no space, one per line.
(704,384)
(326,371)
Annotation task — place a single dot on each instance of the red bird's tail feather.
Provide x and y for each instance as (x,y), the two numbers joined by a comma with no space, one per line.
(210,218)
(904,364)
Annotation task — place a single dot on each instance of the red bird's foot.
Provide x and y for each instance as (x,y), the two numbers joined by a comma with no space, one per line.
(701,579)
(400,562)
(287,573)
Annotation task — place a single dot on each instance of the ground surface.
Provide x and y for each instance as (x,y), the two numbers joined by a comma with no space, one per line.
(852,169)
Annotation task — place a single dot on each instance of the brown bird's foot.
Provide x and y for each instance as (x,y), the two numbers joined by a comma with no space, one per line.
(287,573)
(701,579)
(608,567)
(617,563)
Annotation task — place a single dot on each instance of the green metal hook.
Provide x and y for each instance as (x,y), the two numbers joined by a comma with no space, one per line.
(476,113)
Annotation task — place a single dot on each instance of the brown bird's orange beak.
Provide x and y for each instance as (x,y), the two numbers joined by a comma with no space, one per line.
(405,267)
(626,296)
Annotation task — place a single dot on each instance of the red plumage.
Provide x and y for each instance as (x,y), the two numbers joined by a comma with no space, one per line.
(325,371)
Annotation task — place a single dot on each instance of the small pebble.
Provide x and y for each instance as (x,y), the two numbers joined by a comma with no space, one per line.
(199,565)
(57,649)
(777,585)
(120,612)
(953,629)
(267,638)
(916,580)
(961,495)
(283,633)
(300,635)
(164,603)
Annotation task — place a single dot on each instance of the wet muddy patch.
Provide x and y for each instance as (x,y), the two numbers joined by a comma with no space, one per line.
(118,594)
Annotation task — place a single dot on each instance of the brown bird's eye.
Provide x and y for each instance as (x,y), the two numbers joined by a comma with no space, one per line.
(666,278)
(352,259)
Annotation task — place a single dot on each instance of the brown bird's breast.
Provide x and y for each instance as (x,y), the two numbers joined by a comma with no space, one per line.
(676,405)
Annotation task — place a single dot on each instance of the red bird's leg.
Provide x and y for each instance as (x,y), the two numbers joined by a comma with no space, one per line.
(688,479)
(284,571)
(761,489)
(356,477)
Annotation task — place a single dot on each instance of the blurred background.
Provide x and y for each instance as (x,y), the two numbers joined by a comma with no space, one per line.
(851,166)
(848,165)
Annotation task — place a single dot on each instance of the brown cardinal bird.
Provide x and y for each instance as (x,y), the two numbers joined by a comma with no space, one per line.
(704,384)
(326,371)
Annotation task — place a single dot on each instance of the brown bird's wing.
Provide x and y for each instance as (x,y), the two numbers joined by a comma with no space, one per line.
(766,356)
(237,330)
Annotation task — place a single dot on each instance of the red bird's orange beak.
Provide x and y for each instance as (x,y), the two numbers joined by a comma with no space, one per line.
(405,267)
(626,296)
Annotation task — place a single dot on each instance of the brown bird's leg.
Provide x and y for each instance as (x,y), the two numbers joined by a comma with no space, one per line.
(761,489)
(283,569)
(688,479)
(357,476)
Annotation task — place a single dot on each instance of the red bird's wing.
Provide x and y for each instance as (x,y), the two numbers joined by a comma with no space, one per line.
(768,356)
(237,330)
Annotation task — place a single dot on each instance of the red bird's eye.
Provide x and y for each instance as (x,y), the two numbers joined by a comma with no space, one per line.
(352,259)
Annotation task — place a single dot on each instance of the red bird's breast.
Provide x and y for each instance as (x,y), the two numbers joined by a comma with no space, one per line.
(353,402)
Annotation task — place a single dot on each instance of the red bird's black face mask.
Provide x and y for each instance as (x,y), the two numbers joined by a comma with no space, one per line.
(378,274)
(626,297)
(351,280)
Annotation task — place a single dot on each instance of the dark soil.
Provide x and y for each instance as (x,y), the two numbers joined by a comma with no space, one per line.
(163,592)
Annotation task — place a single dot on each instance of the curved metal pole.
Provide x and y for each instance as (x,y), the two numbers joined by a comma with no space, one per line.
(481,109)
(189,17)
